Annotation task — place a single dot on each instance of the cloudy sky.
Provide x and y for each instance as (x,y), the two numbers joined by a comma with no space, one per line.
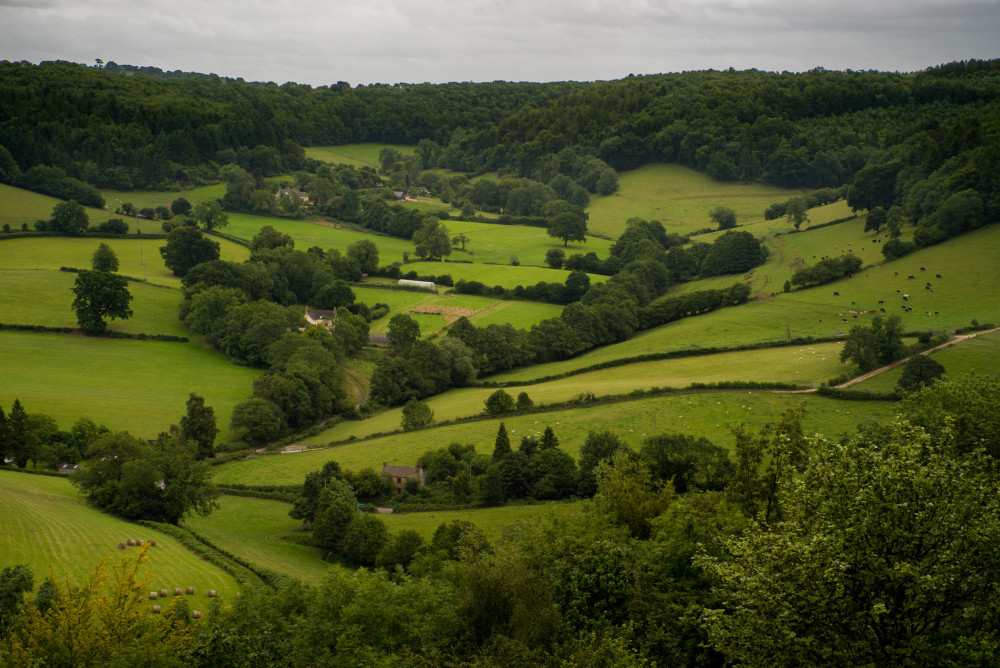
(320,42)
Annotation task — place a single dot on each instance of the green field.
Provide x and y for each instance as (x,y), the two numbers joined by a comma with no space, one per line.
(980,355)
(262,539)
(498,243)
(46,522)
(678,197)
(480,310)
(966,263)
(38,297)
(24,206)
(139,386)
(153,198)
(706,414)
(138,258)
(359,155)
(805,366)
(492,521)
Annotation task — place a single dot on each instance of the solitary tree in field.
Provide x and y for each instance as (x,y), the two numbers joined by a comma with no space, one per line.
(187,247)
(568,226)
(432,239)
(104,259)
(210,215)
(797,211)
(724,217)
(100,295)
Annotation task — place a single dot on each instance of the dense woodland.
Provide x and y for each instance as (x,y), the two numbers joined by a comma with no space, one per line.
(874,549)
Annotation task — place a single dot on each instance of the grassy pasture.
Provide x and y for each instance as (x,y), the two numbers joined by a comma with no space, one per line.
(678,197)
(488,310)
(706,414)
(138,258)
(262,540)
(359,155)
(139,386)
(307,234)
(24,206)
(153,198)
(980,355)
(967,290)
(44,521)
(497,243)
(492,521)
(38,297)
(803,365)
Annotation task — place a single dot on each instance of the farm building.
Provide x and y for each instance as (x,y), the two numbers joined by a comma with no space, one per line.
(293,193)
(69,468)
(320,317)
(419,285)
(400,474)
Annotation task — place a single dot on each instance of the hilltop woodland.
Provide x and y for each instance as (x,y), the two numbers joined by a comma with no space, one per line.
(874,548)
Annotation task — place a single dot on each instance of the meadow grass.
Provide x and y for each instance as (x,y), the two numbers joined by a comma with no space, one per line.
(492,521)
(46,522)
(708,414)
(18,206)
(263,540)
(966,290)
(800,365)
(359,155)
(980,356)
(487,309)
(488,242)
(138,258)
(139,386)
(153,198)
(678,197)
(40,297)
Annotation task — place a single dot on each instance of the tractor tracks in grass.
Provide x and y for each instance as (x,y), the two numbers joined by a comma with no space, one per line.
(357,385)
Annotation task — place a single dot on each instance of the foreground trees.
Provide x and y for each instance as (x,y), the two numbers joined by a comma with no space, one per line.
(887,556)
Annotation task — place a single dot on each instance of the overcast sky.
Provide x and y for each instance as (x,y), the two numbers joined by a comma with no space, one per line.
(390,41)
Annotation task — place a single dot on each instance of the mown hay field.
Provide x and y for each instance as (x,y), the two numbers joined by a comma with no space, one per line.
(46,522)
(708,414)
(139,386)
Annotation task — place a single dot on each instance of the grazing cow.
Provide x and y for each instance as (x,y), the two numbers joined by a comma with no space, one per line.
(836,294)
(911,277)
(881,301)
(922,269)
(882,309)
(844,319)
(938,275)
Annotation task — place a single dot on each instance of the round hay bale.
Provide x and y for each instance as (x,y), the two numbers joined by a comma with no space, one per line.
(189,590)
(178,591)
(164,592)
(131,542)
(153,595)
(152,542)
(211,593)
(121,546)
(196,614)
(155,609)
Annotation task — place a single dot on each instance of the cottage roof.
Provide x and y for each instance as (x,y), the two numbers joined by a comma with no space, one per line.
(320,314)
(394,471)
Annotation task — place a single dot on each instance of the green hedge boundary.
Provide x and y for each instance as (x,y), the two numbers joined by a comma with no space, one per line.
(246,572)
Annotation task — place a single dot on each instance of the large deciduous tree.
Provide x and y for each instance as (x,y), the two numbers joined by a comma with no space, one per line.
(875,345)
(723,217)
(568,226)
(100,295)
(432,239)
(70,218)
(104,259)
(187,247)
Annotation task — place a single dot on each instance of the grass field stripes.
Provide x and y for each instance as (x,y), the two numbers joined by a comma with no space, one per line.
(45,522)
